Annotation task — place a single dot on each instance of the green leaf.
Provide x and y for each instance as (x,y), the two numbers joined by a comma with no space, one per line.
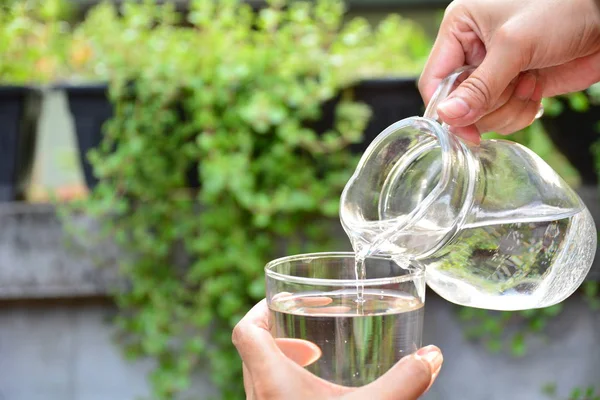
(553,311)
(518,347)
(549,389)
(494,345)
(537,324)
(257,288)
(195,345)
(552,107)
(578,101)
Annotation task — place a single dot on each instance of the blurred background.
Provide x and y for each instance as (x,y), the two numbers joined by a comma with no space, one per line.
(154,156)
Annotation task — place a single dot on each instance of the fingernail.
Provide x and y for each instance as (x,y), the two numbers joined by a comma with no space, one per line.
(433,356)
(526,86)
(316,301)
(454,108)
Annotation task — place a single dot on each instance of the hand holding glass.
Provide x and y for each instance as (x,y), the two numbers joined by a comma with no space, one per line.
(315,297)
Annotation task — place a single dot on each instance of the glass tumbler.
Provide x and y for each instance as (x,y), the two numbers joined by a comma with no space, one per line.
(362,327)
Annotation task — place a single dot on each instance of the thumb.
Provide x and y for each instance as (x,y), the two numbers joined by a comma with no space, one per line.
(407,380)
(302,352)
(478,94)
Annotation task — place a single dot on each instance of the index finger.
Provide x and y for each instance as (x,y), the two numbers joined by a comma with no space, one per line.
(447,55)
(254,342)
(260,351)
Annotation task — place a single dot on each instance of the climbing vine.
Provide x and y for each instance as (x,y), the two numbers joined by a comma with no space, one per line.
(210,168)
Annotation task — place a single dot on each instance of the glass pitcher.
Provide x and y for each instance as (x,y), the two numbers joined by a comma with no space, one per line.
(496,226)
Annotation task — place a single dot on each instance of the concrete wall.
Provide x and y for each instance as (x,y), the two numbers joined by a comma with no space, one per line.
(567,354)
(63,351)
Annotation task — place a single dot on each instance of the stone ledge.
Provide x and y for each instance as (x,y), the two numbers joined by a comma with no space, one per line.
(38,259)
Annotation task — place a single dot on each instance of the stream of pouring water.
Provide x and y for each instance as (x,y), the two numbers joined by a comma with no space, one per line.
(361,253)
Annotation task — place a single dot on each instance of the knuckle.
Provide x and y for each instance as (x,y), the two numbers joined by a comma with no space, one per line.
(238,336)
(265,390)
(521,42)
(507,35)
(454,8)
(420,371)
(479,90)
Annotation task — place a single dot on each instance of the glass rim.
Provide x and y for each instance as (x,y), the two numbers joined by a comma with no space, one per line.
(418,272)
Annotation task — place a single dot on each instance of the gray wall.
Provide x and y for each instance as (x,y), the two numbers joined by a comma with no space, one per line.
(567,354)
(63,351)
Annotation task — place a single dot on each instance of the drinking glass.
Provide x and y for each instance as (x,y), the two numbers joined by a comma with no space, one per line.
(362,327)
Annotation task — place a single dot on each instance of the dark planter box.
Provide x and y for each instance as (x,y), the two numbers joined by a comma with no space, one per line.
(90,109)
(390,100)
(574,133)
(20,109)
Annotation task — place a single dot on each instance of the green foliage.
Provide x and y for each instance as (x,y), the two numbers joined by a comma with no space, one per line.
(591,292)
(32,41)
(506,330)
(228,101)
(581,102)
(577,101)
(578,393)
(535,138)
(107,43)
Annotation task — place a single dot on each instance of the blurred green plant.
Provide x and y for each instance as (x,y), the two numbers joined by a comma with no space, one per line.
(535,138)
(506,330)
(228,102)
(578,393)
(591,292)
(106,43)
(577,101)
(33,39)
(580,102)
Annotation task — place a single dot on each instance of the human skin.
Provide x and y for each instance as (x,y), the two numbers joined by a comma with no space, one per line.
(522,50)
(273,368)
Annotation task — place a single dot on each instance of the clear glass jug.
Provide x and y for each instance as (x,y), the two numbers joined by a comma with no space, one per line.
(496,227)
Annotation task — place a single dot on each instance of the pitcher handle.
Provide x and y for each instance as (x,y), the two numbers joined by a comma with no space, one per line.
(447,86)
